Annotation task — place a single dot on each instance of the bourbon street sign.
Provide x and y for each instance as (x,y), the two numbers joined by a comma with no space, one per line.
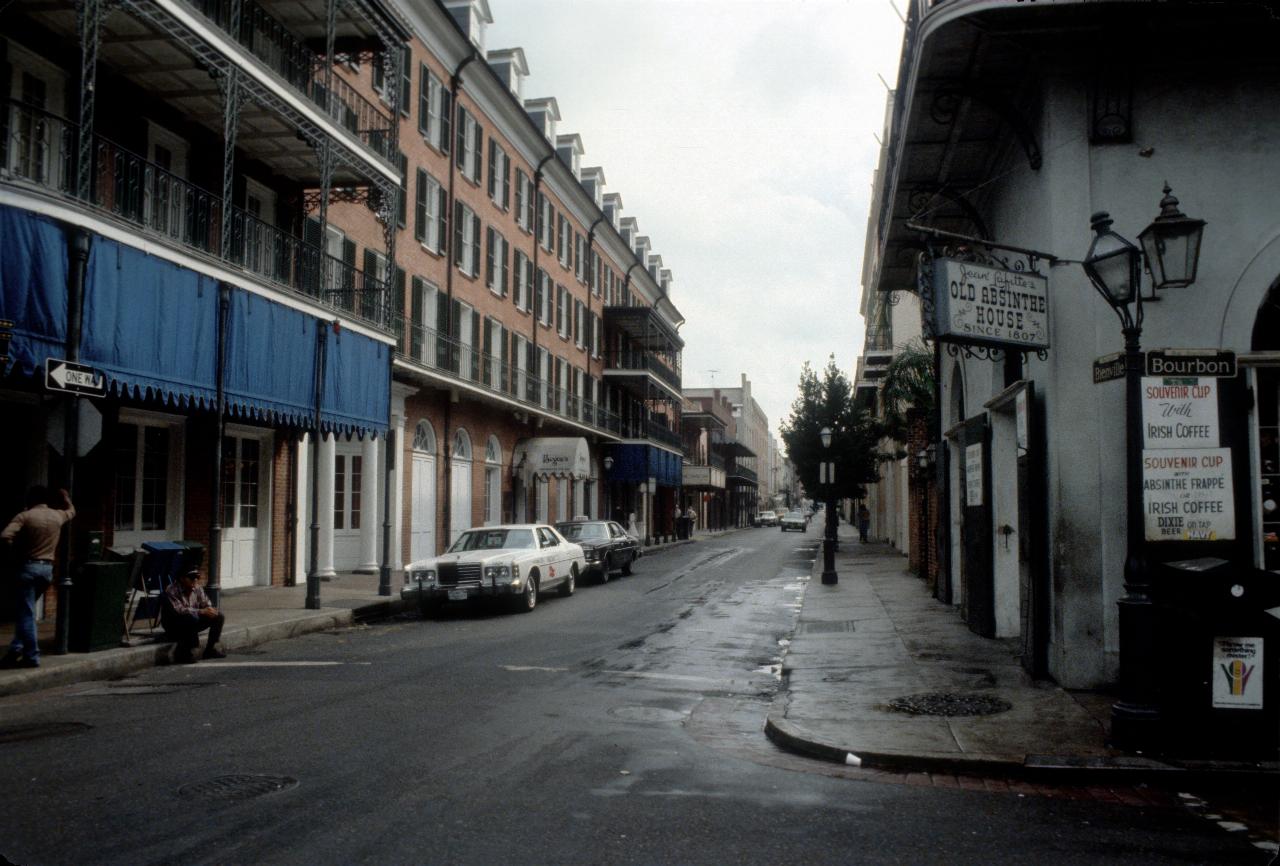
(990,306)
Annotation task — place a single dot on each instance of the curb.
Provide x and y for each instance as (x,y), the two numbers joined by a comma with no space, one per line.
(1055,768)
(116,663)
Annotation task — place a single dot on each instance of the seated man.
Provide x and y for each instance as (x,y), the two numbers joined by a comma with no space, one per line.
(185,613)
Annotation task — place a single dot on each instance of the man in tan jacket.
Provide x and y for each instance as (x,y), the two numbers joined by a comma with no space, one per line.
(33,537)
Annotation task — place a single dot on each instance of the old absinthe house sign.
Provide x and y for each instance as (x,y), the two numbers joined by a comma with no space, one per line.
(990,306)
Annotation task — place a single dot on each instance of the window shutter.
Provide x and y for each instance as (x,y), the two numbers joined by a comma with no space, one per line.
(420,207)
(424,99)
(442,230)
(348,280)
(370,268)
(502,259)
(457,233)
(489,275)
(485,374)
(519,195)
(493,173)
(415,319)
(475,344)
(478,149)
(475,245)
(443,325)
(446,119)
(460,152)
(506,182)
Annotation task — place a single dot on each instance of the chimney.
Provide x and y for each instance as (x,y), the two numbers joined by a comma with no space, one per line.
(510,66)
(471,16)
(593,183)
(545,113)
(613,207)
(569,149)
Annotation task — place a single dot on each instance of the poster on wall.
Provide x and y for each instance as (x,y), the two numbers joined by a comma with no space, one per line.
(973,474)
(1237,673)
(1179,412)
(1187,494)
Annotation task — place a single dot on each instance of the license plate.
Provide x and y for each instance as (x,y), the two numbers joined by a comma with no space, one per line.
(457,595)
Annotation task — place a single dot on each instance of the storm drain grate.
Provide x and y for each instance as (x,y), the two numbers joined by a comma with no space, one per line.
(827,627)
(237,786)
(26,733)
(949,704)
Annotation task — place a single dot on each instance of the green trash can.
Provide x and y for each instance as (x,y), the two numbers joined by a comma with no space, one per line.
(97,606)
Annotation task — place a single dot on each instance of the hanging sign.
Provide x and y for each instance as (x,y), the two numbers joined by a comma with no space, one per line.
(1237,673)
(985,305)
(1179,413)
(1191,362)
(1187,494)
(1108,368)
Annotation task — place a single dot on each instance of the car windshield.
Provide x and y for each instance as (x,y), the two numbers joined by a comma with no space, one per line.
(580,531)
(493,539)
(794,515)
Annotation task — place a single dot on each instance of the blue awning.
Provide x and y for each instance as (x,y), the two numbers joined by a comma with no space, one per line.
(637,463)
(152,327)
(33,288)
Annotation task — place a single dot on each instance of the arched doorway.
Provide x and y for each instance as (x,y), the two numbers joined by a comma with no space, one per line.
(460,517)
(422,531)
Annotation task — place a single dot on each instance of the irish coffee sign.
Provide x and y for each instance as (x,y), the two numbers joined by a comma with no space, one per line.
(984,305)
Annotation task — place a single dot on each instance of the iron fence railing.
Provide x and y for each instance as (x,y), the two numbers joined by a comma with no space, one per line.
(639,359)
(39,147)
(288,56)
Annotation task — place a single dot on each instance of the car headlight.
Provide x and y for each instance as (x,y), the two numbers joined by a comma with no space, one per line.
(422,575)
(591,554)
(501,573)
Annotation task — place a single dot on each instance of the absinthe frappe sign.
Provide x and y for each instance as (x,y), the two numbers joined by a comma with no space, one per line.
(980,304)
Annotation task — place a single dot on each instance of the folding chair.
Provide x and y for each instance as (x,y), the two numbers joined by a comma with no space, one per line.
(157,569)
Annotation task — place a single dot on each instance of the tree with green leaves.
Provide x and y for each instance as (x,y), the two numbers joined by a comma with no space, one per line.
(907,384)
(828,402)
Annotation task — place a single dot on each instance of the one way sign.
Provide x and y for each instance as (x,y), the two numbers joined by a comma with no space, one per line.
(70,378)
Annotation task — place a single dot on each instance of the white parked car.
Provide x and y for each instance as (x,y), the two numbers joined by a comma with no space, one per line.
(515,563)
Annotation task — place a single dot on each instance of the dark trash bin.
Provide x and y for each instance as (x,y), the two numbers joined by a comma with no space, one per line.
(1218,643)
(192,556)
(97,606)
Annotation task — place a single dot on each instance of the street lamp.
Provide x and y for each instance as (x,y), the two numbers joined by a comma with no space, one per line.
(608,488)
(1113,265)
(828,477)
(924,462)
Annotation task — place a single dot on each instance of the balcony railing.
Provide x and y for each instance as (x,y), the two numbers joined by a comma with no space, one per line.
(40,148)
(741,472)
(637,359)
(285,54)
(439,352)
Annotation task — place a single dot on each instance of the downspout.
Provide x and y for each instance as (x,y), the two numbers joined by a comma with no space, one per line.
(214,584)
(313,566)
(455,82)
(591,234)
(384,571)
(79,266)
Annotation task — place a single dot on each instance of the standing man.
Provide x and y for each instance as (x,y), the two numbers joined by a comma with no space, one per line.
(185,613)
(864,522)
(32,536)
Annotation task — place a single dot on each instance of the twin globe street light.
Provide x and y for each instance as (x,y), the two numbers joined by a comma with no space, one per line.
(1171,249)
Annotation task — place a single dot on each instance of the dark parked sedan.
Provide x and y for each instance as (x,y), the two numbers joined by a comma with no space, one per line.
(605,544)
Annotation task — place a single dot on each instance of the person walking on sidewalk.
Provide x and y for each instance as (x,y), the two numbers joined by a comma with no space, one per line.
(864,522)
(185,613)
(33,537)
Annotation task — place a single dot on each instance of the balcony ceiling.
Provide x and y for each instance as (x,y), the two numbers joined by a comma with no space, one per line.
(702,418)
(971,112)
(644,326)
(157,64)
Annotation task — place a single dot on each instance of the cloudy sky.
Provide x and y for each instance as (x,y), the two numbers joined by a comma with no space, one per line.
(741,136)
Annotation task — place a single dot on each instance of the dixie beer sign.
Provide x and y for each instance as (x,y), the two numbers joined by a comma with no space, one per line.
(991,306)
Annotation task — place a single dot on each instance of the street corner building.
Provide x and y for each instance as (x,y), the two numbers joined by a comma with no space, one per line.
(316,287)
(1074,216)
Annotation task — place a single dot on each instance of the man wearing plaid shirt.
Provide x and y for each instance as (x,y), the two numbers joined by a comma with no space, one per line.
(186,613)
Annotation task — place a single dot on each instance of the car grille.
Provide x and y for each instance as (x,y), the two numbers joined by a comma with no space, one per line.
(459,574)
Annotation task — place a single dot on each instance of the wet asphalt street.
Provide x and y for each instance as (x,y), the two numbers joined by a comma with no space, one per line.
(622,725)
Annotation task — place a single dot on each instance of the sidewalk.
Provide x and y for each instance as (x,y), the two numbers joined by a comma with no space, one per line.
(254,616)
(878,637)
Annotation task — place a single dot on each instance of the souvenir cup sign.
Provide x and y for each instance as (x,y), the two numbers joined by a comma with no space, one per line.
(985,305)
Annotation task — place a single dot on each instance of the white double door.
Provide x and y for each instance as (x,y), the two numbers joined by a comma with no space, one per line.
(246,497)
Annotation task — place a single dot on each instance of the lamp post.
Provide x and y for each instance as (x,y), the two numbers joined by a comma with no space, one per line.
(828,477)
(608,489)
(1113,265)
(924,459)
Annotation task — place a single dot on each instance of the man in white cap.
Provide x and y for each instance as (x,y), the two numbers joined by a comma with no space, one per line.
(187,612)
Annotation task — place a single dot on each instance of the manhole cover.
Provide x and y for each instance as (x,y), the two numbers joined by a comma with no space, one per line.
(949,704)
(25,733)
(647,714)
(827,627)
(237,786)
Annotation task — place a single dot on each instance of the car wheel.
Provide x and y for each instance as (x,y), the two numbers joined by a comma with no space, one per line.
(570,582)
(528,599)
(606,567)
(626,566)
